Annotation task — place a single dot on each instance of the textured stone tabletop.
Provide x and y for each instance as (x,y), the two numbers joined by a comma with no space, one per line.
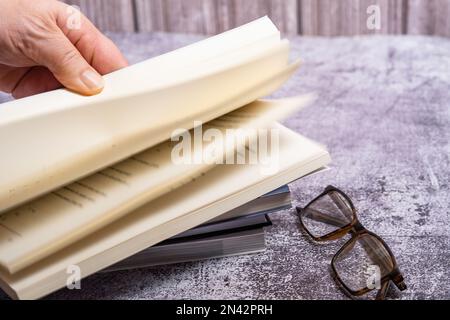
(384,113)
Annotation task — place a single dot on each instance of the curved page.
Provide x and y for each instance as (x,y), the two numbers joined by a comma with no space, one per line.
(44,151)
(220,190)
(48,224)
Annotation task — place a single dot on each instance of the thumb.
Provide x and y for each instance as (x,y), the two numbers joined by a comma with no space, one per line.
(69,67)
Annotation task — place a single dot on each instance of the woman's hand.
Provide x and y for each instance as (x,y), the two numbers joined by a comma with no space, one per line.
(46,44)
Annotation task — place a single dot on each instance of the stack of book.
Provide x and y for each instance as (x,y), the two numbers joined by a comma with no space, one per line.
(239,231)
(163,166)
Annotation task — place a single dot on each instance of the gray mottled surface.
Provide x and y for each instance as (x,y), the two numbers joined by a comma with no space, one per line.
(384,113)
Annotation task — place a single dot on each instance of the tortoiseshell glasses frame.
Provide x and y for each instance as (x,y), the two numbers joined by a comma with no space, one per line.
(346,222)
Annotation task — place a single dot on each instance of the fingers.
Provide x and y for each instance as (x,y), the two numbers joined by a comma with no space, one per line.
(76,54)
(10,77)
(105,57)
(48,50)
(24,82)
(101,53)
(68,66)
(36,80)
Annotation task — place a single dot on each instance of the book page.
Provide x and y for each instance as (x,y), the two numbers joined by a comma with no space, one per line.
(218,191)
(46,225)
(70,136)
(260,33)
(104,134)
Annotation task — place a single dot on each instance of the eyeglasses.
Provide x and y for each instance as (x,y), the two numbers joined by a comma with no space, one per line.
(365,263)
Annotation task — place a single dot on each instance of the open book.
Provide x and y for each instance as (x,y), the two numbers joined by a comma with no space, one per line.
(169,145)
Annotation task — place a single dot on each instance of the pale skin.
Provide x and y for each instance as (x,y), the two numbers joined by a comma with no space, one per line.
(40,50)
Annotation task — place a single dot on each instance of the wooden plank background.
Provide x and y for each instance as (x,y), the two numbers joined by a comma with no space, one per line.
(349,17)
(305,17)
(109,15)
(429,17)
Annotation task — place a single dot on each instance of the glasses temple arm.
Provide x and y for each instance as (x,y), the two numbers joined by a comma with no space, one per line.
(382,293)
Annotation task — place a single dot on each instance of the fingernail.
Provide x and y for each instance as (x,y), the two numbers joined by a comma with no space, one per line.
(92,80)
